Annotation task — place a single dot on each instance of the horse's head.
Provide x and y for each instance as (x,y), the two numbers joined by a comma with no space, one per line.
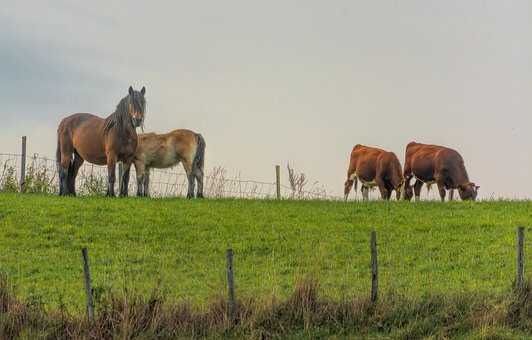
(136,106)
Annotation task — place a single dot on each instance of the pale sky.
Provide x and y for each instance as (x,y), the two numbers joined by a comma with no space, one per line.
(267,82)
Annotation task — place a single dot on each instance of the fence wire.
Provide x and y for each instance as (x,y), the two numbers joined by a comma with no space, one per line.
(41,176)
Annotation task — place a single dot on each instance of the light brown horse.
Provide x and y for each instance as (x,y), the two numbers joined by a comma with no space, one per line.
(167,150)
(102,141)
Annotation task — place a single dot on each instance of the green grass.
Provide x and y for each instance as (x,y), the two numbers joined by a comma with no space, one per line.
(179,245)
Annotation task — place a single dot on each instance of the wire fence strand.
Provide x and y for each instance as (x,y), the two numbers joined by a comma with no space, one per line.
(42,176)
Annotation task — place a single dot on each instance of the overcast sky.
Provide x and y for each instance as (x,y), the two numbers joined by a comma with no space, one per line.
(267,82)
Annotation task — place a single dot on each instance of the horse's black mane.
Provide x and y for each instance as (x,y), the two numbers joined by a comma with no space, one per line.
(120,119)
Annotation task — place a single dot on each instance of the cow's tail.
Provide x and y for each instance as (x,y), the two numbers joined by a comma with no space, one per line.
(199,157)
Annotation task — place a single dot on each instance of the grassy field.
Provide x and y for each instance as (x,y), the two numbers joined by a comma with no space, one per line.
(179,245)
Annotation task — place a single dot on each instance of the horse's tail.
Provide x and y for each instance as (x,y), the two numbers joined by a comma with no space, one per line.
(60,171)
(199,157)
(58,153)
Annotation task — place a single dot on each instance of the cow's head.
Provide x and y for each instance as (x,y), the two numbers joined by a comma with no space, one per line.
(468,191)
(408,192)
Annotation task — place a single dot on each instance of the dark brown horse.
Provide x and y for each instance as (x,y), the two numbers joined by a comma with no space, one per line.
(102,141)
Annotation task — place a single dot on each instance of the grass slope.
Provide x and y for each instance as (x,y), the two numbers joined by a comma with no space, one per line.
(179,245)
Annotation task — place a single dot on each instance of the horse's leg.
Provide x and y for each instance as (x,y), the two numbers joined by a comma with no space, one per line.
(73,173)
(64,165)
(191,182)
(125,179)
(139,170)
(111,176)
(147,183)
(198,174)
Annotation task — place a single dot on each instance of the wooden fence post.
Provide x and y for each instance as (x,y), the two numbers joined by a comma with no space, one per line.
(88,286)
(23,165)
(519,278)
(374,267)
(230,286)
(120,177)
(278,180)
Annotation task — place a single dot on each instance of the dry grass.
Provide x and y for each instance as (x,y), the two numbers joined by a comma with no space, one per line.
(304,313)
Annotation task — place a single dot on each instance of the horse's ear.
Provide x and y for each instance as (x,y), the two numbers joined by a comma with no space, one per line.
(143,90)
(130,91)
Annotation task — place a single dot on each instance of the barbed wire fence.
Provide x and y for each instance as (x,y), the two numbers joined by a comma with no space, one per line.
(38,174)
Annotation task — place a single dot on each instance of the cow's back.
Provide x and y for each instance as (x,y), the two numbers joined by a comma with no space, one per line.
(450,164)
(364,161)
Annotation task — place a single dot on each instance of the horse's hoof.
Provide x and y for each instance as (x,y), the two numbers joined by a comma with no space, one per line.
(199,196)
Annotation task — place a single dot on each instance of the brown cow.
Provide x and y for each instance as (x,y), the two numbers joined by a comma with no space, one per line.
(437,164)
(374,167)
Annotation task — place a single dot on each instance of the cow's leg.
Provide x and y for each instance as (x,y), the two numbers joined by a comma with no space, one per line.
(417,189)
(451,194)
(441,189)
(348,184)
(365,193)
(390,189)
(382,188)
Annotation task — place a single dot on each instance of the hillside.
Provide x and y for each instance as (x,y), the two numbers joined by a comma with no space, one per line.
(424,247)
(179,246)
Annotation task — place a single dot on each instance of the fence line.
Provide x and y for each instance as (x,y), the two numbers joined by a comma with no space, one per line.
(232,306)
(40,173)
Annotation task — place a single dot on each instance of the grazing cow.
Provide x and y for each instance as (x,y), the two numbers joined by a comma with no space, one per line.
(374,167)
(437,164)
